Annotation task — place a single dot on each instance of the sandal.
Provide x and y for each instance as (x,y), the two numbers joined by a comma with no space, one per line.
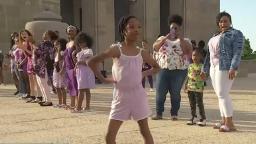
(63,106)
(225,128)
(57,106)
(77,111)
(86,109)
(68,107)
(218,125)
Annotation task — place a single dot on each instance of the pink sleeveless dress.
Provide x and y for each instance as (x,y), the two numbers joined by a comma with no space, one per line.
(84,75)
(129,97)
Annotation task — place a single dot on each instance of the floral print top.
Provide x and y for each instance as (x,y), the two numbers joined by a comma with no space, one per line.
(195,82)
(170,55)
(42,55)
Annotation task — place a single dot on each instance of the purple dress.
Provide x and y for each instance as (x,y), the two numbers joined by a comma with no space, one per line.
(70,74)
(84,74)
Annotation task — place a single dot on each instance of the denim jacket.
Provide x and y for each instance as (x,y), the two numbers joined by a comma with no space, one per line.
(231,44)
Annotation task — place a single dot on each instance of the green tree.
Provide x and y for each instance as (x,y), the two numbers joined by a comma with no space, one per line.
(247,51)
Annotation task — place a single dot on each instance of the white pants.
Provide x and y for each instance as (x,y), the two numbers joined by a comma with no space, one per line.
(44,87)
(222,86)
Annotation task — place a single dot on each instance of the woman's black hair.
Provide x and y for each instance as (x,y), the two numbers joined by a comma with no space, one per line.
(220,15)
(175,19)
(198,51)
(122,24)
(201,44)
(84,38)
(77,29)
(63,43)
(12,41)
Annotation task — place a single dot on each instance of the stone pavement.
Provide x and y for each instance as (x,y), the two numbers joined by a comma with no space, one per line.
(25,123)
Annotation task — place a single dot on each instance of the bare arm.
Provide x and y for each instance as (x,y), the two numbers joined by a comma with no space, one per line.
(94,62)
(159,42)
(186,47)
(23,61)
(24,47)
(148,59)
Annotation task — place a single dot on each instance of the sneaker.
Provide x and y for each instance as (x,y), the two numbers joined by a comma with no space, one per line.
(52,92)
(57,106)
(86,109)
(192,121)
(202,122)
(25,96)
(32,98)
(16,92)
(174,118)
(77,110)
(151,90)
(46,104)
(157,117)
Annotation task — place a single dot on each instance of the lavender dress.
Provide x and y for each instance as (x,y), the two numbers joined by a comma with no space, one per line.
(70,78)
(84,74)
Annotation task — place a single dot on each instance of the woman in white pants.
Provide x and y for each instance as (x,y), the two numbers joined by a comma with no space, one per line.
(222,60)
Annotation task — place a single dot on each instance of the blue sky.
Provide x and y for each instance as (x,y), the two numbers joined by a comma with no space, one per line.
(243,13)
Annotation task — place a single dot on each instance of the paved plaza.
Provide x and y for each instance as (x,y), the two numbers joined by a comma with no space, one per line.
(24,123)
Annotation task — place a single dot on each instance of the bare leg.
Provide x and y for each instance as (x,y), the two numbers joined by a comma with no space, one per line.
(80,99)
(88,98)
(16,80)
(113,128)
(1,75)
(64,96)
(59,93)
(32,84)
(144,130)
(73,101)
(229,122)
(223,120)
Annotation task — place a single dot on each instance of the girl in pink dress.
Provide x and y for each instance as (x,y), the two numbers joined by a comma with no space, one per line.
(129,97)
(58,72)
(84,75)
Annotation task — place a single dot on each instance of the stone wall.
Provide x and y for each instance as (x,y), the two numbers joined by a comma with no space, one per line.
(14,15)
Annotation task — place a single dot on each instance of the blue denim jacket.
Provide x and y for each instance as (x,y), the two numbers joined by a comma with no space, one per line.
(231,45)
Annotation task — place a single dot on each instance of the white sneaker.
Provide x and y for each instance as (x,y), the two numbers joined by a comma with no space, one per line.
(174,118)
(52,92)
(192,121)
(151,90)
(202,122)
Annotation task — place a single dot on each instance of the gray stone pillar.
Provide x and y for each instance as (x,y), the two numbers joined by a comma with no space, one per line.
(178,7)
(66,11)
(98,21)
(148,12)
(152,20)
(77,15)
(200,18)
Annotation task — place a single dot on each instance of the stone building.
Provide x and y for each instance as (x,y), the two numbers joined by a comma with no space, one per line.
(14,15)
(99,18)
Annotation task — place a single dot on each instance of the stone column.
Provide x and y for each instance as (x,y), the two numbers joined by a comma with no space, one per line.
(76,11)
(200,18)
(148,12)
(178,7)
(66,11)
(98,21)
(152,20)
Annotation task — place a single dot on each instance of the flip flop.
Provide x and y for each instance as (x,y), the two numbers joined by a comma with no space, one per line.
(225,128)
(217,125)
(77,111)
